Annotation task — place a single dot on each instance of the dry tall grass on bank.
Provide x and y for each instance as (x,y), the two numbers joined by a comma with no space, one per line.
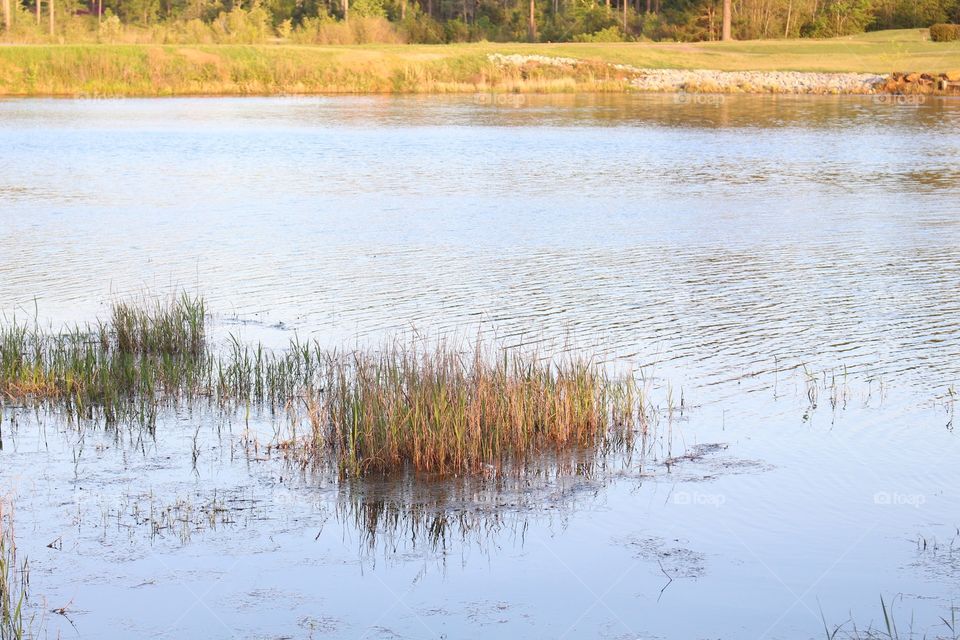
(108,70)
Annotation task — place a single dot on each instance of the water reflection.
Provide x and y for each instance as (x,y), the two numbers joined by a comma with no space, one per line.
(274,115)
(203,475)
(409,517)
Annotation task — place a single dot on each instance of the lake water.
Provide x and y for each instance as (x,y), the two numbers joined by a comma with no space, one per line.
(745,253)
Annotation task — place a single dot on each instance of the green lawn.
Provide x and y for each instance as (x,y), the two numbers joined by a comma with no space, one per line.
(880,52)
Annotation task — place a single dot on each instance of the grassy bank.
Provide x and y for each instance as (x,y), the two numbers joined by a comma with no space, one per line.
(108,70)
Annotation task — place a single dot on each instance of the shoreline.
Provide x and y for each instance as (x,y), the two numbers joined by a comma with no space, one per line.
(651,82)
(672,81)
(105,71)
(665,82)
(496,97)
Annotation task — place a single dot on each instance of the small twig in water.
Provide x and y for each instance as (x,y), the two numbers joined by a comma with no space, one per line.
(669,579)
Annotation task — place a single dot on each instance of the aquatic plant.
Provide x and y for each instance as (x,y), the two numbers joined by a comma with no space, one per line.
(116,370)
(174,328)
(444,407)
(446,411)
(14,580)
(253,373)
(182,517)
(889,630)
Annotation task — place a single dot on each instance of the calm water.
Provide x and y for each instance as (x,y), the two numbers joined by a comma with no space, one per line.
(723,247)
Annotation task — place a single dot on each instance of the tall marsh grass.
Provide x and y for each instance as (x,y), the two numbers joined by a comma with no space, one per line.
(443,407)
(176,328)
(114,370)
(444,411)
(117,70)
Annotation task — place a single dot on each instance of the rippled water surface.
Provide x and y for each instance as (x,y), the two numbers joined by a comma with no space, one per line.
(743,253)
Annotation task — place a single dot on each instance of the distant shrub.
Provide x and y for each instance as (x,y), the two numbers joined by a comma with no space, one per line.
(367,9)
(421,28)
(110,28)
(945,32)
(456,30)
(610,34)
(307,32)
(241,26)
(374,29)
(325,29)
(195,31)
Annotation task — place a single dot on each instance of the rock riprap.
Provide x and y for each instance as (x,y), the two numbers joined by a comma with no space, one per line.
(708,81)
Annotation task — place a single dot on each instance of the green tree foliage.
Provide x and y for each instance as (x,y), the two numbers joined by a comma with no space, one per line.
(435,21)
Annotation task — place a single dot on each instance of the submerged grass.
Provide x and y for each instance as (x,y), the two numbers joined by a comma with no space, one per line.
(437,408)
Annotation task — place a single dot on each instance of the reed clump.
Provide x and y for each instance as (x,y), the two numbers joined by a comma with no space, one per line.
(253,374)
(443,410)
(175,328)
(118,369)
(446,408)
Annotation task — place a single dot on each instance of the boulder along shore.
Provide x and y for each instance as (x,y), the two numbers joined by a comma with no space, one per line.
(772,82)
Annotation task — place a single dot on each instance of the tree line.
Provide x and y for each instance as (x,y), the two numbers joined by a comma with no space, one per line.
(435,21)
